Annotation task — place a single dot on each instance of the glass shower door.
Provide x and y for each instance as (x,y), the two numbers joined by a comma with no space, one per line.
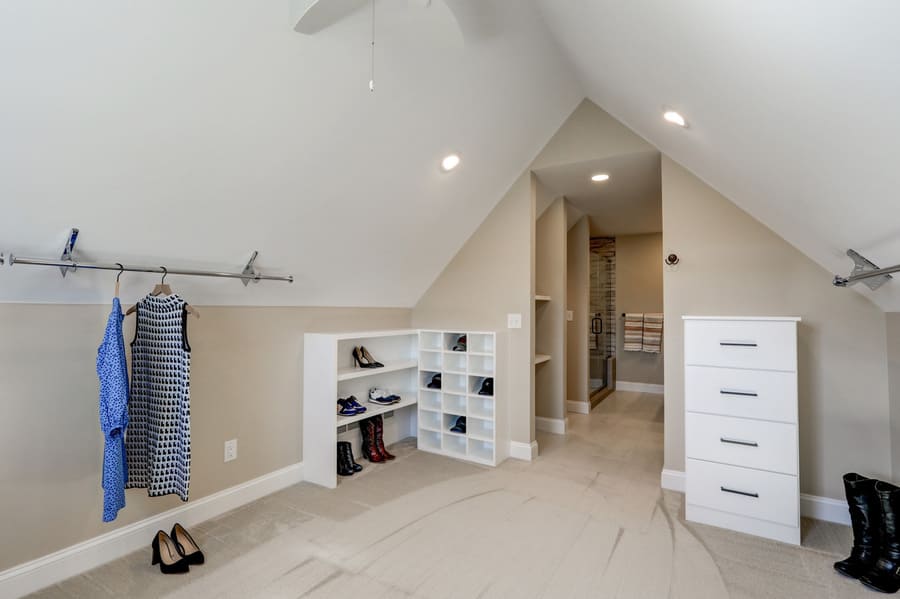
(603,304)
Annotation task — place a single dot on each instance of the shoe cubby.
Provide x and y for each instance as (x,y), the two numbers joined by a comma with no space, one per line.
(451,340)
(481,365)
(430,341)
(479,428)
(481,451)
(429,419)
(481,343)
(454,404)
(430,400)
(454,383)
(330,372)
(432,361)
(455,362)
(455,444)
(430,440)
(425,377)
(462,374)
(475,383)
(481,407)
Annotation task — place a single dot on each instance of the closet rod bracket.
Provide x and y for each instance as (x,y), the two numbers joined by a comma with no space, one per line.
(865,272)
(68,252)
(249,273)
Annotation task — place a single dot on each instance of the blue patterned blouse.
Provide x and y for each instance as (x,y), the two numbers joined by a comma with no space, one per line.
(113,372)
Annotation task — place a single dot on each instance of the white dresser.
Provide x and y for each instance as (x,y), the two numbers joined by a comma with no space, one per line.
(741,439)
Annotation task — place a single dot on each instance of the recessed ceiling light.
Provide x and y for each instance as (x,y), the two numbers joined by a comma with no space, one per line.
(450,162)
(600,177)
(674,118)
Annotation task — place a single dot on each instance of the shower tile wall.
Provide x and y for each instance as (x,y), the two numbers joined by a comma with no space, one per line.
(603,291)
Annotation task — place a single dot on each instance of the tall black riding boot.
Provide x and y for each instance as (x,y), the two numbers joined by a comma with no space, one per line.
(347,450)
(883,576)
(865,516)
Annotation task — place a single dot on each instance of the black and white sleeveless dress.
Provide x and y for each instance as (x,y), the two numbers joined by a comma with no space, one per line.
(158,441)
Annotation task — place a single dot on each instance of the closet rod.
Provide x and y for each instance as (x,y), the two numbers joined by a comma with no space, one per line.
(246,277)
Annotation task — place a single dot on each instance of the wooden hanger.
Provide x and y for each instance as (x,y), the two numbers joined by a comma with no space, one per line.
(163,289)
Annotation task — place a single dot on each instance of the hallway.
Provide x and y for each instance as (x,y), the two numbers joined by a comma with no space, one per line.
(586,519)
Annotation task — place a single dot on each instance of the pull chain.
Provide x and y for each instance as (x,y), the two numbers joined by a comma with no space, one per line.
(372,72)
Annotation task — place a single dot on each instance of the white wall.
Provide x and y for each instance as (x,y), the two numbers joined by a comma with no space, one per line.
(578,301)
(550,316)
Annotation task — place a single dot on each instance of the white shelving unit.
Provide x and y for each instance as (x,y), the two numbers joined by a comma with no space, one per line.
(330,372)
(462,374)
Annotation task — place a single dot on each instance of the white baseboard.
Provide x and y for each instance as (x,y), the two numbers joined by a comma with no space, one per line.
(672,480)
(557,426)
(639,387)
(44,571)
(824,508)
(579,407)
(811,506)
(523,451)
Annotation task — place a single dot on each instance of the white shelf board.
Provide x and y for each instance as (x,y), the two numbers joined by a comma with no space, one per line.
(482,374)
(541,358)
(456,372)
(478,437)
(477,395)
(477,353)
(346,374)
(371,334)
(435,351)
(542,298)
(374,409)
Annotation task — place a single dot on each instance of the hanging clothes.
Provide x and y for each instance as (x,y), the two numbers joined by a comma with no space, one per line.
(159,433)
(112,370)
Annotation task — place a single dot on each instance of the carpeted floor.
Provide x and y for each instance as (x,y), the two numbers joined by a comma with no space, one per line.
(586,519)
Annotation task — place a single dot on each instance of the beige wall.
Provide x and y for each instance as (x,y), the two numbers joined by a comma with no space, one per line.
(550,317)
(893,357)
(733,265)
(578,299)
(246,383)
(490,277)
(639,288)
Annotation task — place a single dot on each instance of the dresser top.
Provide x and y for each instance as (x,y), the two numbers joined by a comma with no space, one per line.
(765,318)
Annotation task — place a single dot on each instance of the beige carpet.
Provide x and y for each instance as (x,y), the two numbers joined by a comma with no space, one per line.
(587,519)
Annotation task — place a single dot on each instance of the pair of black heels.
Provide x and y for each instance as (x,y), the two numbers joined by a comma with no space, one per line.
(176,552)
(364,359)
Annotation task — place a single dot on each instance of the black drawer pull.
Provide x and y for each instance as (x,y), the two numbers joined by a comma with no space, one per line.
(739,442)
(736,492)
(739,393)
(738,343)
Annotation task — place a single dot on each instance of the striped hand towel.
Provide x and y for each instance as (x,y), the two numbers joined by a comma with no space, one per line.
(634,330)
(652,336)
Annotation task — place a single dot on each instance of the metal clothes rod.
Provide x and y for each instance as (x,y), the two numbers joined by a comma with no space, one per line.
(65,264)
(880,272)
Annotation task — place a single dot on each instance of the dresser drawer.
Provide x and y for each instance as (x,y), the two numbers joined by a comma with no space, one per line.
(753,493)
(751,443)
(763,394)
(763,345)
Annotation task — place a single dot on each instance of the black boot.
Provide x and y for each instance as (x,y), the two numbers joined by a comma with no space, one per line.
(344,467)
(883,575)
(865,516)
(347,450)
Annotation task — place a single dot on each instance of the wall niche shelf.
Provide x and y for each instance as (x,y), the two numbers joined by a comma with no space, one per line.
(542,298)
(541,358)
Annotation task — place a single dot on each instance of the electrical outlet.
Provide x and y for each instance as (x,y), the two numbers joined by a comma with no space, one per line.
(570,315)
(231,450)
(514,321)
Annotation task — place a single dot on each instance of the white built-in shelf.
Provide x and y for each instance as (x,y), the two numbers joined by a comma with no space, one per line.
(409,399)
(346,374)
(541,358)
(542,298)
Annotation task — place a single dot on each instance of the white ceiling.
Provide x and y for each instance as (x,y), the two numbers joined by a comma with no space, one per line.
(191,133)
(793,107)
(629,203)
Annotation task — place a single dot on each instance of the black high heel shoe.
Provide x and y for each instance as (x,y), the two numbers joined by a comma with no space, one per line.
(190,550)
(167,555)
(361,359)
(369,358)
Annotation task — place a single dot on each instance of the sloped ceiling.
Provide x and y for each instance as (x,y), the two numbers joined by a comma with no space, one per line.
(190,133)
(792,106)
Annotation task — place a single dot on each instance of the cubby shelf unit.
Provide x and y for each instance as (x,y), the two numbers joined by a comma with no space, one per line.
(330,372)
(462,374)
